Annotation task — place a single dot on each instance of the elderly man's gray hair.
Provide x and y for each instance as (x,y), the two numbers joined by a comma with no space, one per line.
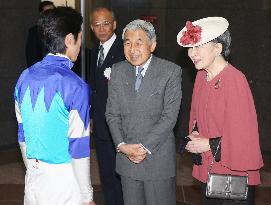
(141,25)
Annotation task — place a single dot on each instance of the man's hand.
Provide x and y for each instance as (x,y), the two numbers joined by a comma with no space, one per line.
(135,152)
(137,159)
(89,203)
(132,149)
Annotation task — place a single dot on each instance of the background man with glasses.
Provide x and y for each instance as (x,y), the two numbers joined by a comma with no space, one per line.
(103,56)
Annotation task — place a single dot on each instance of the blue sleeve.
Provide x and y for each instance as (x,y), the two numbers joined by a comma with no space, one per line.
(21,137)
(79,139)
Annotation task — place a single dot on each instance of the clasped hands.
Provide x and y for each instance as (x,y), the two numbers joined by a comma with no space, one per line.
(135,152)
(198,144)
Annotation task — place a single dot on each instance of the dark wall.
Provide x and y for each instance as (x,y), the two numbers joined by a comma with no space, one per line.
(16,17)
(250,22)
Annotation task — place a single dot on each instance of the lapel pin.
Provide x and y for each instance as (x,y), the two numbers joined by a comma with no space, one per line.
(217,84)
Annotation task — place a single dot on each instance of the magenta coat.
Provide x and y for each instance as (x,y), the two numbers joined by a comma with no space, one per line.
(224,107)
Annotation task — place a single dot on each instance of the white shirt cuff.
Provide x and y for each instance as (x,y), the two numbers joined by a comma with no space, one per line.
(119,146)
(148,151)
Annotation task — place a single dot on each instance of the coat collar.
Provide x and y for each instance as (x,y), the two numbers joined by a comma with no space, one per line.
(62,60)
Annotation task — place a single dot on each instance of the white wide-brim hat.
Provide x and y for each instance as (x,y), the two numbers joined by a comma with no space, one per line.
(202,31)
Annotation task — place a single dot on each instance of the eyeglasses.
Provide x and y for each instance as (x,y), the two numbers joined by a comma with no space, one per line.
(105,24)
(136,44)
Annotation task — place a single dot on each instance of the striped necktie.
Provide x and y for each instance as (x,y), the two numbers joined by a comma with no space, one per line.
(139,78)
(101,56)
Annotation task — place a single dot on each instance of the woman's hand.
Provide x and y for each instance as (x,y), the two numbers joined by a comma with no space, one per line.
(197,144)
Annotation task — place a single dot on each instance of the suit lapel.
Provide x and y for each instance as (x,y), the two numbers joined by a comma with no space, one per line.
(148,82)
(94,65)
(129,84)
(138,101)
(107,61)
(96,53)
(110,55)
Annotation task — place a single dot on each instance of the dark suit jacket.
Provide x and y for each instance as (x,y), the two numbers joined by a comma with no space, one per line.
(147,116)
(99,84)
(34,47)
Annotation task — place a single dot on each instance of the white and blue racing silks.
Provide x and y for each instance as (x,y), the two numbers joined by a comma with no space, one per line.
(52,109)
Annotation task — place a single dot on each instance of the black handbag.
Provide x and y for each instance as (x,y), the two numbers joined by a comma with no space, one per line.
(223,186)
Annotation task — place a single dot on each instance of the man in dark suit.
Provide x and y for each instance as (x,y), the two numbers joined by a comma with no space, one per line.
(144,97)
(103,56)
(34,47)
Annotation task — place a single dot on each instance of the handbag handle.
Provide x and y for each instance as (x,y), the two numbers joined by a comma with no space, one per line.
(211,165)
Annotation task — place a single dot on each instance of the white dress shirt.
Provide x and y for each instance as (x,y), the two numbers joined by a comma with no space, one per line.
(145,67)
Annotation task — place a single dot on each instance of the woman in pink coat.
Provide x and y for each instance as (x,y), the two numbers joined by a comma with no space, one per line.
(223,116)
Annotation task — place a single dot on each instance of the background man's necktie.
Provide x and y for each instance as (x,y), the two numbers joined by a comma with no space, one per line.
(101,56)
(139,78)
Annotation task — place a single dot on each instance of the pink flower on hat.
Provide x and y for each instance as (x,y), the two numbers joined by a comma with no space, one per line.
(192,35)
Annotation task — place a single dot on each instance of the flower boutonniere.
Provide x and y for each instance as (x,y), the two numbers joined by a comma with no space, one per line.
(107,73)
